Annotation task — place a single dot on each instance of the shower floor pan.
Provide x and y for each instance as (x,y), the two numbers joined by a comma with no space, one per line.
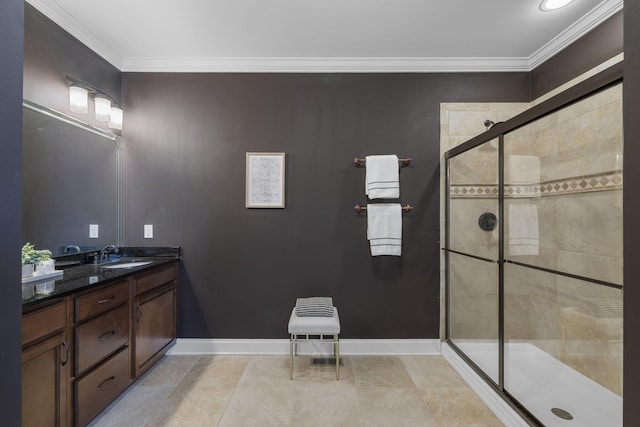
(541,383)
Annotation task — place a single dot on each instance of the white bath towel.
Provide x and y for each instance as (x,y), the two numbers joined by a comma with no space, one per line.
(384,228)
(523,229)
(382,177)
(523,170)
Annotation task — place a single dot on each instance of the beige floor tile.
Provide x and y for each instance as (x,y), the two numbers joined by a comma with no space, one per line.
(393,407)
(133,408)
(216,371)
(432,372)
(328,403)
(304,371)
(458,407)
(260,406)
(380,371)
(266,371)
(192,406)
(256,391)
(168,372)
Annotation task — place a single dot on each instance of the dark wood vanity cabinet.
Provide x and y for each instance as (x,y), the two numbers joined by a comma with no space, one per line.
(82,351)
(46,358)
(154,316)
(102,339)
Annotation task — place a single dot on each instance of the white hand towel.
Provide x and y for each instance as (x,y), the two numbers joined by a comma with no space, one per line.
(384,228)
(382,177)
(523,229)
(523,169)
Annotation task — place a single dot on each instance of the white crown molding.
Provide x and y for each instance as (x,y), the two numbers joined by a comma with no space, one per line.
(349,347)
(595,17)
(324,65)
(60,16)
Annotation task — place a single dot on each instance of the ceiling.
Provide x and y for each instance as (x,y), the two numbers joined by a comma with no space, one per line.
(329,35)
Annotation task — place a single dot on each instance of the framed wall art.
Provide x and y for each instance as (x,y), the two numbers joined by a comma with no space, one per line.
(265,180)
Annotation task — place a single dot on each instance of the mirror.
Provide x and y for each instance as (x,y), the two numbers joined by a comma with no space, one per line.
(70,175)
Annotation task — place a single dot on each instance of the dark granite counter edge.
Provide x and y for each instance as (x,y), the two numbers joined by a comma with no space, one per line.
(84,277)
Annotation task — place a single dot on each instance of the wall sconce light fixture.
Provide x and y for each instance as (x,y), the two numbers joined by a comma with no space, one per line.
(106,110)
(78,99)
(115,119)
(102,108)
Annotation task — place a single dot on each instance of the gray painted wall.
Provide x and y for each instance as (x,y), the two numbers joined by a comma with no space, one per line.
(600,44)
(186,137)
(11,35)
(50,55)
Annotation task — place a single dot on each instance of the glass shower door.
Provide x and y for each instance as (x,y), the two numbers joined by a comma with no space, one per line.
(563,269)
(473,252)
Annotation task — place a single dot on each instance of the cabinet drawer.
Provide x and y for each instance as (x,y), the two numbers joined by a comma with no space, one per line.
(44,322)
(101,336)
(146,282)
(101,300)
(96,390)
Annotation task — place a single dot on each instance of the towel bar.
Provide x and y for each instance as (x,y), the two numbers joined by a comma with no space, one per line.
(360,162)
(405,208)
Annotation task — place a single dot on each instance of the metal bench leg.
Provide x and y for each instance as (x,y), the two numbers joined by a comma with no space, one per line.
(291,344)
(336,351)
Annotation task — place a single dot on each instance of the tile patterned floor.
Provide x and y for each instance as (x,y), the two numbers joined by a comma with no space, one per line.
(244,391)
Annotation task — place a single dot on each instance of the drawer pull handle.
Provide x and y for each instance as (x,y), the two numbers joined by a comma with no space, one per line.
(139,310)
(106,335)
(106,300)
(106,382)
(67,351)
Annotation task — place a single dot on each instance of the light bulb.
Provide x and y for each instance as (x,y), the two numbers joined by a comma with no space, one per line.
(103,109)
(115,121)
(78,99)
(549,5)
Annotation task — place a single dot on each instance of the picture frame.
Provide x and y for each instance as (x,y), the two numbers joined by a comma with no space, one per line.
(265,179)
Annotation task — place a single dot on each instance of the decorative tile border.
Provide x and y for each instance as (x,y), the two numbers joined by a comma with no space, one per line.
(477,191)
(605,181)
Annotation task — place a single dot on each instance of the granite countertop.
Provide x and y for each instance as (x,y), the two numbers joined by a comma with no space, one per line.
(86,276)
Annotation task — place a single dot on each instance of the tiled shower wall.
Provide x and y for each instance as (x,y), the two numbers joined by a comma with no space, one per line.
(578,200)
(460,122)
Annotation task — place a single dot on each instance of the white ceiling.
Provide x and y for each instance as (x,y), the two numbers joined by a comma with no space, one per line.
(327,35)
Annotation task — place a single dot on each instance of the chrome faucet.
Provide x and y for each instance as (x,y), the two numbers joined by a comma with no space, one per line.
(72,249)
(104,251)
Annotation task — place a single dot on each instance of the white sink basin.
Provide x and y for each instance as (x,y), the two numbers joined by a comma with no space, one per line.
(128,264)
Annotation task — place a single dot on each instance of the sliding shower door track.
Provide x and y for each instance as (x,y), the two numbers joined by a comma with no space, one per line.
(527,416)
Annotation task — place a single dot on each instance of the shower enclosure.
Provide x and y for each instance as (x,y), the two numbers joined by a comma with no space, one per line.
(533,256)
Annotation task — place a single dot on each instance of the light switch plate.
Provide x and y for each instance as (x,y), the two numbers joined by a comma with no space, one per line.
(93,231)
(148,231)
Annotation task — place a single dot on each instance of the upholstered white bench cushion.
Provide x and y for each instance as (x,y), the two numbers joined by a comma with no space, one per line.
(314,325)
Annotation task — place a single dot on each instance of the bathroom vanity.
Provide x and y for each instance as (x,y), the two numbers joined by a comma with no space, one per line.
(98,330)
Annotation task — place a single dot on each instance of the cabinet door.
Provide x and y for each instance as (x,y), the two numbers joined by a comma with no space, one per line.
(155,324)
(45,378)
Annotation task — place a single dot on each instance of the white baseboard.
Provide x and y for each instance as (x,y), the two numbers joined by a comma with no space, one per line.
(497,404)
(352,347)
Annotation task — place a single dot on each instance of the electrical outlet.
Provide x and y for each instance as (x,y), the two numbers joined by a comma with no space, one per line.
(93,231)
(148,231)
